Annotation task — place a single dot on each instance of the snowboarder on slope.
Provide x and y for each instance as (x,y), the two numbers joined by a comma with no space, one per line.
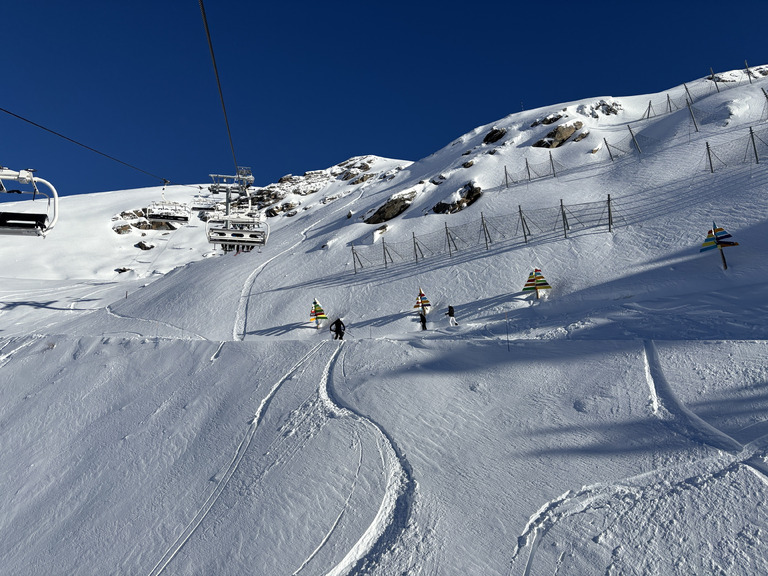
(451,317)
(338,328)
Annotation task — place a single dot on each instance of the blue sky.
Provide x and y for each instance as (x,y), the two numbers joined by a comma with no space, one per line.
(308,85)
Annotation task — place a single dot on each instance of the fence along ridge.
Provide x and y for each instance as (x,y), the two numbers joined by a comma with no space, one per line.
(550,167)
(548,223)
(629,145)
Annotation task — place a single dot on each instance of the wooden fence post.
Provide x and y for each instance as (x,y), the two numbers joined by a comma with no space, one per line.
(607,147)
(523,224)
(709,157)
(565,220)
(690,109)
(610,215)
(485,231)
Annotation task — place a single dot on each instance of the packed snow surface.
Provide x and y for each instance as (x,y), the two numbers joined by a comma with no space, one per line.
(173,410)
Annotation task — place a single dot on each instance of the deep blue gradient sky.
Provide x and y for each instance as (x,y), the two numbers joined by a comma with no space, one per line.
(310,84)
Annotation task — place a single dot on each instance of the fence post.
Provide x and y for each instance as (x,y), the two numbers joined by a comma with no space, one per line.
(528,169)
(688,92)
(415,253)
(384,250)
(610,215)
(565,220)
(552,163)
(506,178)
(607,147)
(749,72)
(752,136)
(709,157)
(647,114)
(690,109)
(634,139)
(485,231)
(356,259)
(713,78)
(669,104)
(523,224)
(448,240)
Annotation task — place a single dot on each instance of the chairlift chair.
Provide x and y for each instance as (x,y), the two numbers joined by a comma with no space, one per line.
(237,231)
(203,203)
(240,230)
(166,211)
(28,223)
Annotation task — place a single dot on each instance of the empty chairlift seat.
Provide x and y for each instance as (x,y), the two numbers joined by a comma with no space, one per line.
(166,211)
(28,223)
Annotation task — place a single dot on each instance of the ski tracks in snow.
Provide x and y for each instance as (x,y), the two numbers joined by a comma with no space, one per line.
(665,405)
(393,515)
(239,330)
(5,357)
(233,466)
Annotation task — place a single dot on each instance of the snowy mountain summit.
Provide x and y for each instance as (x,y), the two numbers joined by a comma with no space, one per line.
(171,408)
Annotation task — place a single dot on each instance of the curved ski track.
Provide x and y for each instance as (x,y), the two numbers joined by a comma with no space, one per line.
(240,452)
(394,513)
(240,327)
(685,422)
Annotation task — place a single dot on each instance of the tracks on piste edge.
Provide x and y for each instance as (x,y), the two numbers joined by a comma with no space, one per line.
(682,420)
(393,516)
(394,511)
(203,511)
(241,316)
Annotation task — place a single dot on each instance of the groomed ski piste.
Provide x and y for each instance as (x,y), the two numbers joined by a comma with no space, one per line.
(184,417)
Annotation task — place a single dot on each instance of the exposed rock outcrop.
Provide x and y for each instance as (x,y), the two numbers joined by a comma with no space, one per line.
(464,197)
(393,207)
(494,135)
(559,135)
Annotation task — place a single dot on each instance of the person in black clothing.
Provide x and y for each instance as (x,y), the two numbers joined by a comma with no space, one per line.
(337,327)
(423,319)
(451,317)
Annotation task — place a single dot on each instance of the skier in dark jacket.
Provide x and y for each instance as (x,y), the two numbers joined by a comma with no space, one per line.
(451,317)
(338,328)
(423,319)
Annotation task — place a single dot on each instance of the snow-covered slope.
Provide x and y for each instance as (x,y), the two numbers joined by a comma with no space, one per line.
(183,415)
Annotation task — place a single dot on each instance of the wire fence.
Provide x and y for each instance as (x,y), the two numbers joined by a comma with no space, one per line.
(521,227)
(524,227)
(750,148)
(634,143)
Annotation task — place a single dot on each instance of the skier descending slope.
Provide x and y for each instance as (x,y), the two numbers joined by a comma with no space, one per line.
(451,316)
(338,328)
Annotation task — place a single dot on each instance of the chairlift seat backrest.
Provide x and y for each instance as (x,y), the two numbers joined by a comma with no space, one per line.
(28,223)
(21,223)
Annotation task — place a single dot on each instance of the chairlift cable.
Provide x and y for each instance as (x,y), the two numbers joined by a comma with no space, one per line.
(218,82)
(164,180)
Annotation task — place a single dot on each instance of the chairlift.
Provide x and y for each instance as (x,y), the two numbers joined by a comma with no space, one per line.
(167,211)
(239,231)
(28,223)
(202,203)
